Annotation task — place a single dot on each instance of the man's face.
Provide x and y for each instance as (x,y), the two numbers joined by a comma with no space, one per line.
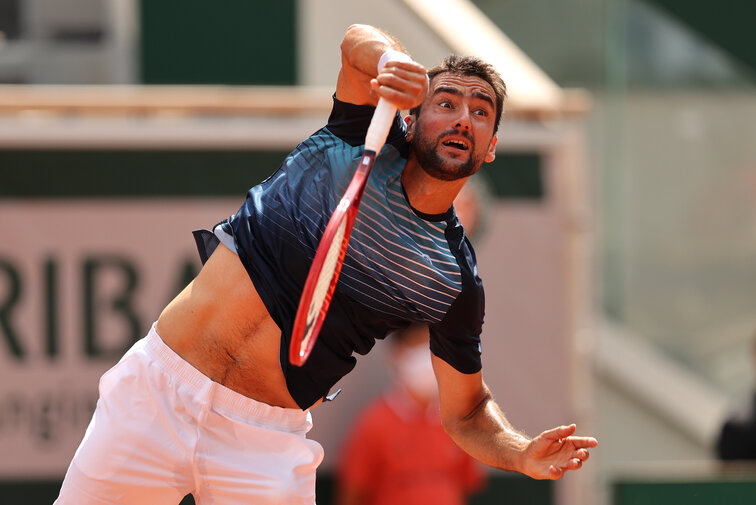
(453,134)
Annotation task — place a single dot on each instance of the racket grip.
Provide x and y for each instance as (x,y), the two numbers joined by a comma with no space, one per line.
(383,118)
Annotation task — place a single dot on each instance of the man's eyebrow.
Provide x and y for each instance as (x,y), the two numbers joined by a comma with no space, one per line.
(447,89)
(484,97)
(454,91)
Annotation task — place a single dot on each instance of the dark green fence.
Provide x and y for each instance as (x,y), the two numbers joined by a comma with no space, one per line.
(229,42)
(77,173)
(711,491)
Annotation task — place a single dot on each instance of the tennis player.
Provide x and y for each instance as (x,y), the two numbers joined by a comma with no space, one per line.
(207,403)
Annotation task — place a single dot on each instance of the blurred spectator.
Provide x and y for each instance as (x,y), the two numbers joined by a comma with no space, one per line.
(470,206)
(397,452)
(737,440)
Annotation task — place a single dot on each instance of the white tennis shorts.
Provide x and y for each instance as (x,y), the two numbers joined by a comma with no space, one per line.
(163,430)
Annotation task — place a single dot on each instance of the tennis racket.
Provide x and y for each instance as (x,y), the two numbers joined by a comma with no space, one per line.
(329,257)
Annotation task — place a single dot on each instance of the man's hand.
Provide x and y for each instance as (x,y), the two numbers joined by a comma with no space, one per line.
(360,81)
(553,452)
(404,83)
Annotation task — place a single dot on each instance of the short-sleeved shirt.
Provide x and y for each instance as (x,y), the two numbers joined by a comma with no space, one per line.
(401,266)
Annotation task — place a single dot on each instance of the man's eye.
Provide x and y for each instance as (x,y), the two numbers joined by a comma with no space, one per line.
(445,105)
(481,112)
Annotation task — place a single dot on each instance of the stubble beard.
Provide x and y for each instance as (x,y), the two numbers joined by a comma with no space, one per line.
(426,152)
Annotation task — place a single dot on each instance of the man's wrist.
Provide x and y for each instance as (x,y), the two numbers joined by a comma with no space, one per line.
(518,453)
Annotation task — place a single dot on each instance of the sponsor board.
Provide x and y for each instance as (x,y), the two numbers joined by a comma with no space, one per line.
(80,282)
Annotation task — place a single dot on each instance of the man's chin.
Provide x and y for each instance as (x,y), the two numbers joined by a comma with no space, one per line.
(447,171)
(446,166)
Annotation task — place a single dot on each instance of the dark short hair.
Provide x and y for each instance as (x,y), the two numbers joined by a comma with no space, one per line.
(475,67)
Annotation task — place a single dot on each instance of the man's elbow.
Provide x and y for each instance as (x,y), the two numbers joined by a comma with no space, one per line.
(458,419)
(356,28)
(353,34)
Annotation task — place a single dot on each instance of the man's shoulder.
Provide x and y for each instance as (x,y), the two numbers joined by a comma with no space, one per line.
(350,122)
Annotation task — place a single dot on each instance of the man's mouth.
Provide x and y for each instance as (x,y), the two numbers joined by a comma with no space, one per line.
(456,144)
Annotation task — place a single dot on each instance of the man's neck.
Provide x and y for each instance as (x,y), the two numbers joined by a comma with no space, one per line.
(428,194)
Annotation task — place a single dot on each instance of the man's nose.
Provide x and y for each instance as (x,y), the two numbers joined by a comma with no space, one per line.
(463,120)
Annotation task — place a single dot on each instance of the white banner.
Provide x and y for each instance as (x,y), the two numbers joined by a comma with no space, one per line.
(79,281)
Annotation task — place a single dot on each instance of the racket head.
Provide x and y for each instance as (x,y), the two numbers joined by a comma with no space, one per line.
(326,267)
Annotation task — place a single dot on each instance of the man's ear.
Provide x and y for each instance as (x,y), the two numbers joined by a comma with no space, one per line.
(410,122)
(491,154)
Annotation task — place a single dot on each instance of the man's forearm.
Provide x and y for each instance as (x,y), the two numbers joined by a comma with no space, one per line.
(486,434)
(363,46)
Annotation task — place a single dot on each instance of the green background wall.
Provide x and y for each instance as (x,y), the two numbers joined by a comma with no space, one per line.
(200,42)
(200,173)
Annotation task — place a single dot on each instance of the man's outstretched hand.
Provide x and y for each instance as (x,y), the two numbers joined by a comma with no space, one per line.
(553,452)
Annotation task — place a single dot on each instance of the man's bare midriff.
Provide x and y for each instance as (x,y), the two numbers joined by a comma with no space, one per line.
(219,324)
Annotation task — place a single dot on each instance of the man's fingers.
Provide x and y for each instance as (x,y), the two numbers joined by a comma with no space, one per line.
(584,442)
(559,432)
(400,99)
(554,472)
(411,66)
(569,450)
(410,75)
(414,84)
(404,83)
(393,76)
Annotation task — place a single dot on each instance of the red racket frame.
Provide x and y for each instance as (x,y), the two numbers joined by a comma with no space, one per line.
(346,209)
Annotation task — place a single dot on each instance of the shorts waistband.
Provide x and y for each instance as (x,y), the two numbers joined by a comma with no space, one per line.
(224,399)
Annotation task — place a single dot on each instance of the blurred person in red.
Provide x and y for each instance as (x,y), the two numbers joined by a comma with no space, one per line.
(397,451)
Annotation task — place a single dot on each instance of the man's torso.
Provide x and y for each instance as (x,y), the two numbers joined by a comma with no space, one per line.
(401,266)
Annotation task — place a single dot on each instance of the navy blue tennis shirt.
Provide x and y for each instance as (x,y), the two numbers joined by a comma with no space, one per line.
(402,266)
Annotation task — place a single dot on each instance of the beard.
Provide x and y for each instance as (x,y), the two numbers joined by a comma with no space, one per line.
(426,152)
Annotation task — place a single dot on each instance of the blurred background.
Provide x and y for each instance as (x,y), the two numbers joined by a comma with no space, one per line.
(616,230)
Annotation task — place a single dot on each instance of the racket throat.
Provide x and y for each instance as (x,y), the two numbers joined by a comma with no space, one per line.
(366,163)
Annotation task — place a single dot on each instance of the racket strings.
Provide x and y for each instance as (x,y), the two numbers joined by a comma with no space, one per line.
(326,279)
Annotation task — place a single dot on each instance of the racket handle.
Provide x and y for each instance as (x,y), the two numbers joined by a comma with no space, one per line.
(383,118)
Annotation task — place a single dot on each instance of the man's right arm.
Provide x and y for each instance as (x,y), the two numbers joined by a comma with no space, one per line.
(403,83)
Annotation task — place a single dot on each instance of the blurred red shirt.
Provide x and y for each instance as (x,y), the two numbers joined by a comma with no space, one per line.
(397,453)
